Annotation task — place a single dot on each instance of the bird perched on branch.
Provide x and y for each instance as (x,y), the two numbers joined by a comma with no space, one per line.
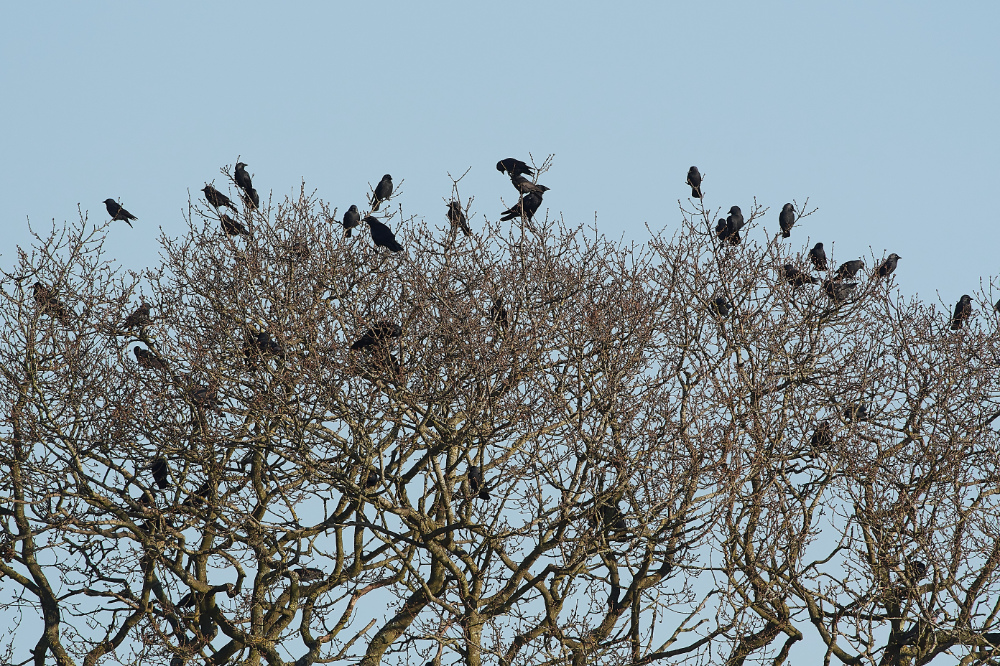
(381,332)
(838,292)
(476,482)
(817,256)
(250,196)
(526,207)
(729,228)
(47,302)
(963,310)
(720,306)
(457,218)
(117,212)
(139,317)
(382,235)
(147,359)
(382,191)
(160,471)
(795,277)
(886,268)
(514,167)
(498,315)
(352,218)
(523,185)
(231,227)
(694,180)
(849,269)
(786,219)
(217,199)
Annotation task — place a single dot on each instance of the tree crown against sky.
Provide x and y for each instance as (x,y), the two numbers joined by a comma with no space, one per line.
(531,444)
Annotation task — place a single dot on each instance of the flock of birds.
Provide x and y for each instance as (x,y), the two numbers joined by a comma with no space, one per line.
(837,289)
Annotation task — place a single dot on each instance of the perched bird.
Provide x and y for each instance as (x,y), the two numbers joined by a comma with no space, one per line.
(817,256)
(735,219)
(476,482)
(526,207)
(786,219)
(146,359)
(915,569)
(262,343)
(849,269)
(352,218)
(309,574)
(205,396)
(380,332)
(498,314)
(382,191)
(729,228)
(382,235)
(963,310)
(694,180)
(997,306)
(231,227)
(117,212)
(838,292)
(514,167)
(856,413)
(720,306)
(612,517)
(251,199)
(822,437)
(49,304)
(243,178)
(370,478)
(457,217)
(523,185)
(160,471)
(795,277)
(886,268)
(140,317)
(300,250)
(217,198)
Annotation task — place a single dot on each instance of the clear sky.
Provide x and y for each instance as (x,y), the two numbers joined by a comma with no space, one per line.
(883,114)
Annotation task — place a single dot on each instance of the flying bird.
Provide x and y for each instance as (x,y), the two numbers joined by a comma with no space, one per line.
(963,310)
(886,268)
(849,269)
(231,227)
(380,332)
(526,207)
(117,212)
(523,185)
(694,180)
(457,217)
(49,304)
(382,191)
(140,317)
(352,218)
(476,482)
(382,235)
(147,360)
(786,219)
(514,167)
(217,198)
(817,256)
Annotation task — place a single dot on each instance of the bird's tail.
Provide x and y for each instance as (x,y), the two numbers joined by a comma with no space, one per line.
(696,192)
(375,203)
(786,234)
(348,234)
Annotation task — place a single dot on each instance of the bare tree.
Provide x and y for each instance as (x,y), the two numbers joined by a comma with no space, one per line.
(532,445)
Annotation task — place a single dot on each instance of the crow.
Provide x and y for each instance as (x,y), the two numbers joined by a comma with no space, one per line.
(849,269)
(231,227)
(382,191)
(838,291)
(498,315)
(251,199)
(856,413)
(217,198)
(160,471)
(49,304)
(523,185)
(382,235)
(300,250)
(612,517)
(476,482)
(140,317)
(309,574)
(915,569)
(997,306)
(243,178)
(963,310)
(720,306)
(205,396)
(457,218)
(117,212)
(822,437)
(146,359)
(514,167)
(786,219)
(886,268)
(526,207)
(352,218)
(795,277)
(694,180)
(377,334)
(817,256)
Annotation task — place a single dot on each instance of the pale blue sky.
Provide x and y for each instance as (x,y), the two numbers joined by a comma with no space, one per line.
(884,116)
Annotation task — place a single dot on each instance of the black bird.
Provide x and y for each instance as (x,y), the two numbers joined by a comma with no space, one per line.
(523,185)
(612,517)
(886,268)
(251,199)
(822,437)
(722,233)
(720,306)
(476,482)
(498,315)
(262,343)
(963,310)
(457,217)
(49,304)
(205,396)
(997,306)
(309,574)
(217,198)
(795,277)
(117,212)
(915,569)
(147,360)
(382,191)
(378,333)
(735,219)
(352,218)
(817,256)
(729,228)
(140,317)
(856,413)
(243,178)
(300,250)
(514,167)
(849,269)
(786,219)
(838,292)
(231,227)
(370,478)
(160,472)
(694,180)
(526,207)
(382,235)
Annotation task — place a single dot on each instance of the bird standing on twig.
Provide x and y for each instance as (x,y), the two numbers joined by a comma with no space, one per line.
(117,212)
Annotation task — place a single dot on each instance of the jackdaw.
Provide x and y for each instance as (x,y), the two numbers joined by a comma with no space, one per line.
(140,317)
(217,199)
(457,218)
(817,256)
(380,332)
(117,212)
(160,472)
(795,277)
(720,306)
(514,167)
(838,292)
(849,269)
(786,219)
(49,304)
(352,218)
(963,310)
(694,180)
(147,360)
(382,191)
(886,268)
(476,482)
